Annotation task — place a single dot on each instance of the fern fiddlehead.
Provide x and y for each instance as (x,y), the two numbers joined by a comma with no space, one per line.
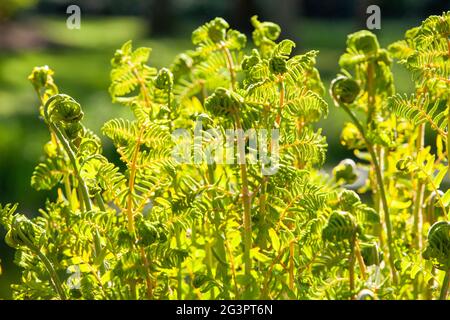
(438,250)
(344,92)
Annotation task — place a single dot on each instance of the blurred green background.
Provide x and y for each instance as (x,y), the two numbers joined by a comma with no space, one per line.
(34,33)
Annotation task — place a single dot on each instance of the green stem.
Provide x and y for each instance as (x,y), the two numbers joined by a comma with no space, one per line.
(262,235)
(448,135)
(81,199)
(430,284)
(370,92)
(179,275)
(445,285)
(220,245)
(82,184)
(48,265)
(68,190)
(417,212)
(351,266)
(230,66)
(420,190)
(208,253)
(66,145)
(417,226)
(53,275)
(282,92)
(99,201)
(448,116)
(291,265)
(360,259)
(380,183)
(247,220)
(169,102)
(262,241)
(247,232)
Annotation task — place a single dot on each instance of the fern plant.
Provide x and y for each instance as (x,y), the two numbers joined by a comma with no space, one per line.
(220,192)
(365,90)
(425,52)
(408,174)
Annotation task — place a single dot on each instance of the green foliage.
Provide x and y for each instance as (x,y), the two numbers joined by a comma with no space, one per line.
(341,226)
(405,174)
(154,227)
(419,111)
(439,245)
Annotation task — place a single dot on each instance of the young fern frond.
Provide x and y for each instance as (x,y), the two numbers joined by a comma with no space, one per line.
(423,165)
(48,174)
(420,110)
(130,74)
(306,105)
(306,147)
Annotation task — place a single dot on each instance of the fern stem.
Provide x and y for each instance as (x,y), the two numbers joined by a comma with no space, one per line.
(247,234)
(351,266)
(169,102)
(370,92)
(380,182)
(445,286)
(81,198)
(217,207)
(100,202)
(262,236)
(230,66)
(208,253)
(291,265)
(436,192)
(387,219)
(68,190)
(247,220)
(83,188)
(233,268)
(359,258)
(133,170)
(131,179)
(148,280)
(66,145)
(428,294)
(419,194)
(448,118)
(142,85)
(53,275)
(268,274)
(48,265)
(417,213)
(448,135)
(262,213)
(282,93)
(179,275)
(131,183)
